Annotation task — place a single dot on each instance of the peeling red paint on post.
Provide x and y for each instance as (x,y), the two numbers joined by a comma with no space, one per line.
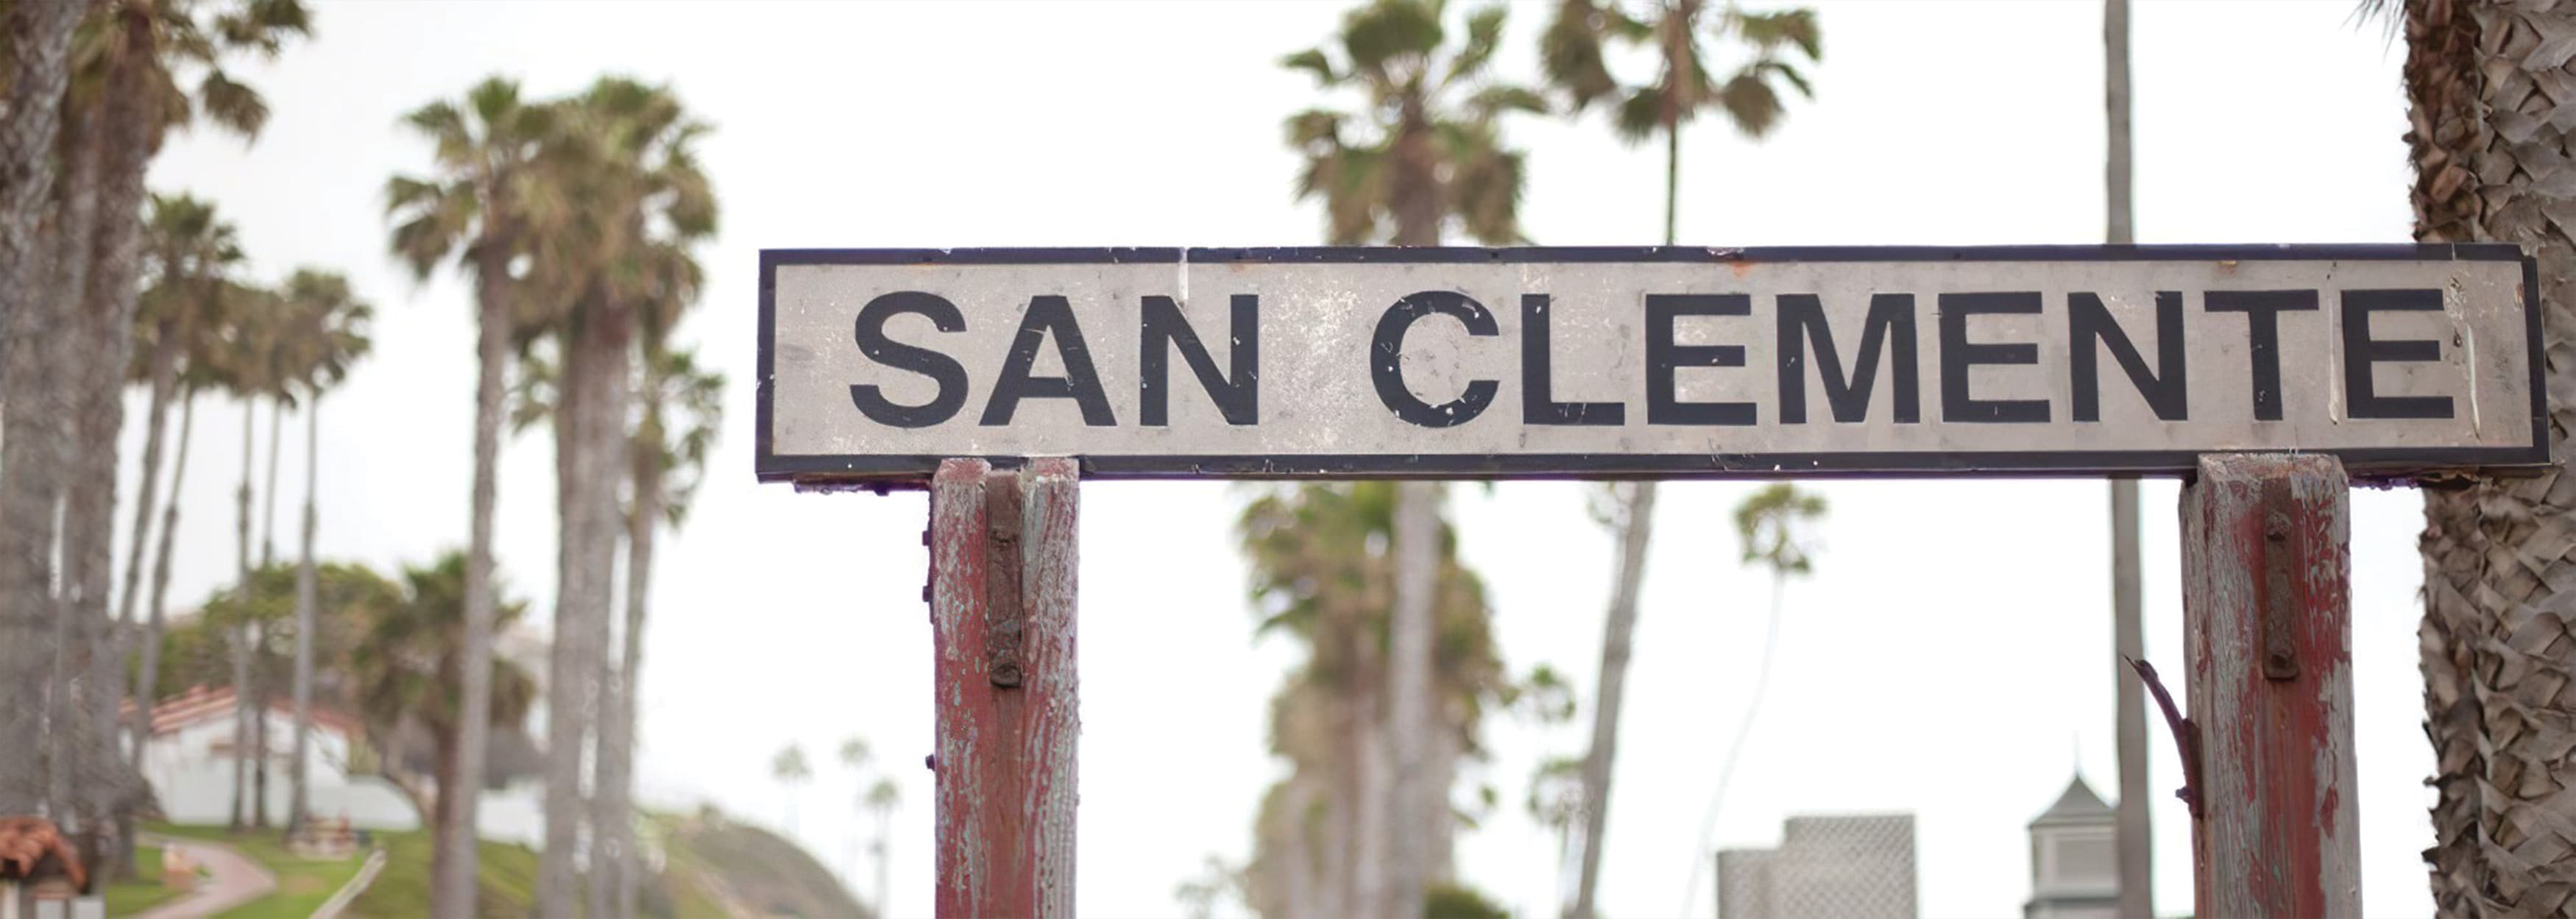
(2266,542)
(1006,748)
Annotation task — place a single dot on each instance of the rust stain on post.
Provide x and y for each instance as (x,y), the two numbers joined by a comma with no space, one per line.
(1002,616)
(2267,621)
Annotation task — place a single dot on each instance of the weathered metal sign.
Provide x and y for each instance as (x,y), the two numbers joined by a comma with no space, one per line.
(1481,363)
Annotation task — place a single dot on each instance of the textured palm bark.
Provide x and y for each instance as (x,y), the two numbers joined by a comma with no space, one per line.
(453,873)
(147,674)
(38,35)
(164,363)
(2489,87)
(591,434)
(1636,531)
(133,134)
(615,887)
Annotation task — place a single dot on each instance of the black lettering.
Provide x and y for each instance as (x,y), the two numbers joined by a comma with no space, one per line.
(1957,355)
(2361,352)
(1237,394)
(2090,328)
(2262,309)
(1889,329)
(1662,356)
(940,368)
(1048,317)
(1386,351)
(1538,384)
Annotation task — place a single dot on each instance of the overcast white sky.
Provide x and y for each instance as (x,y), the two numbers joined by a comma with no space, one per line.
(1951,658)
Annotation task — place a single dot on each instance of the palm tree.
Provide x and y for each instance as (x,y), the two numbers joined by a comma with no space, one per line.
(1426,148)
(1574,55)
(328,334)
(1317,578)
(627,154)
(666,463)
(880,801)
(37,47)
(472,208)
(1773,527)
(191,251)
(409,676)
(2488,167)
(252,330)
(789,768)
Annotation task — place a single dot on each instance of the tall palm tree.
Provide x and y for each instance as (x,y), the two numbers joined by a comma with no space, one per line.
(472,208)
(1575,55)
(1774,528)
(1424,148)
(679,406)
(192,252)
(252,331)
(2490,165)
(1316,577)
(38,38)
(627,155)
(328,336)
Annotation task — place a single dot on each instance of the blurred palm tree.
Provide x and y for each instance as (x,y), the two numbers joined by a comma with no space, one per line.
(474,207)
(191,253)
(121,98)
(1424,147)
(409,677)
(1775,527)
(1322,572)
(1575,53)
(614,266)
(881,799)
(251,330)
(790,769)
(327,333)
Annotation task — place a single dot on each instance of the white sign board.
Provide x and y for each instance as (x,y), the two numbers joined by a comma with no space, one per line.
(1499,363)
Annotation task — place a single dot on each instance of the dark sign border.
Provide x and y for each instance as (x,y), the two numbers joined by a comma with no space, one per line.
(769,466)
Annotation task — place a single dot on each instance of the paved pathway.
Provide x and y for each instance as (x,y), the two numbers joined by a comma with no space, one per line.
(234,880)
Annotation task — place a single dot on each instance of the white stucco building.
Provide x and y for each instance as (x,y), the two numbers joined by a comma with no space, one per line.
(191,766)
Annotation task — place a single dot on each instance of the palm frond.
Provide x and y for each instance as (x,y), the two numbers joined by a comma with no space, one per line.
(1640,115)
(1768,32)
(234,106)
(1493,101)
(1386,32)
(1750,103)
(1313,61)
(1484,37)
(1571,56)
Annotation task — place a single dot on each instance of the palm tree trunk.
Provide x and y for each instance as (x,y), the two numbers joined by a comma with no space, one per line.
(591,434)
(452,890)
(38,37)
(616,885)
(1672,182)
(2133,839)
(1637,521)
(165,378)
(109,301)
(2491,165)
(147,677)
(242,710)
(448,780)
(268,509)
(299,796)
(1410,799)
(259,690)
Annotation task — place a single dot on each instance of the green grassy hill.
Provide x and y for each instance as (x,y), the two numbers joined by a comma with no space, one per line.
(717,867)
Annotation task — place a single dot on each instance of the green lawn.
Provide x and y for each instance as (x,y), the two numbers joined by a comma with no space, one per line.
(136,896)
(508,879)
(302,883)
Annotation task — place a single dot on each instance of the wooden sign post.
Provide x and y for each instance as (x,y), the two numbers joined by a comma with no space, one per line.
(2262,374)
(1001,613)
(2267,627)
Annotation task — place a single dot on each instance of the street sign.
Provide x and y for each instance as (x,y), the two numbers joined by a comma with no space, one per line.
(1664,362)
